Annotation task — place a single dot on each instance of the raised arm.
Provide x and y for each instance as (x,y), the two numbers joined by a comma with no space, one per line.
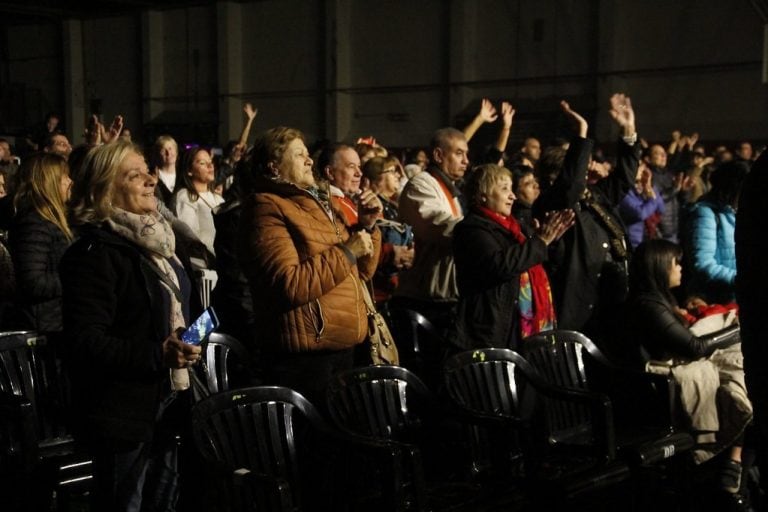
(616,186)
(487,114)
(580,124)
(250,114)
(675,143)
(112,133)
(507,114)
(571,182)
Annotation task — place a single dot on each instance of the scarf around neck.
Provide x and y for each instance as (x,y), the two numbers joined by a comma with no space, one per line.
(154,235)
(150,231)
(535,305)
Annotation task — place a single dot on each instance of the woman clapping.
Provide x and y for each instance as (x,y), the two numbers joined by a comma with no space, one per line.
(504,292)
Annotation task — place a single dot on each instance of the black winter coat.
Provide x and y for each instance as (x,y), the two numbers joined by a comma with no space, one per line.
(36,246)
(489,261)
(116,316)
(588,287)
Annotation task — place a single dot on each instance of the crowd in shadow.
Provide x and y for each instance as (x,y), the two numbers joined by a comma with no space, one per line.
(589,283)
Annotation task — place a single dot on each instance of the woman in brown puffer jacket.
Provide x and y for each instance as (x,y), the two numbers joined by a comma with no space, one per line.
(304,266)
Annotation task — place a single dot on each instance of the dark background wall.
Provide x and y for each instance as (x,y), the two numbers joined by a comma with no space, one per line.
(396,69)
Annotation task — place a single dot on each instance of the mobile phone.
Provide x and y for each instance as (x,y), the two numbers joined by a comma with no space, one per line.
(204,325)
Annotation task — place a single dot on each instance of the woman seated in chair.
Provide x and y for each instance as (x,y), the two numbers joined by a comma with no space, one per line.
(708,368)
(125,294)
(504,292)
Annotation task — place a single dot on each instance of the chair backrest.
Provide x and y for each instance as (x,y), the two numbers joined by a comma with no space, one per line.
(494,383)
(381,402)
(558,356)
(29,369)
(484,381)
(220,353)
(414,333)
(255,429)
(420,345)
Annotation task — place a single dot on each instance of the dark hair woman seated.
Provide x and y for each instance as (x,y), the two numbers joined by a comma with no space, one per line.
(709,369)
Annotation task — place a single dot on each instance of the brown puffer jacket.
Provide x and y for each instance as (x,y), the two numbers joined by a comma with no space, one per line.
(307,290)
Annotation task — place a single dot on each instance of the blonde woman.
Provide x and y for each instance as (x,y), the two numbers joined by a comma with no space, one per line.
(38,237)
(126,295)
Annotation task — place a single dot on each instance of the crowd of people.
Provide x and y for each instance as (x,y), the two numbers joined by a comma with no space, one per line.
(103,245)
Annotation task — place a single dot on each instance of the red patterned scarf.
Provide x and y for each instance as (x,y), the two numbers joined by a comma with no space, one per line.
(543,309)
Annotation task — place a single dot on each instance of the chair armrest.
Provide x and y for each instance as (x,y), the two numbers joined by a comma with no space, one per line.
(664,388)
(353,442)
(466,415)
(601,408)
(644,399)
(17,424)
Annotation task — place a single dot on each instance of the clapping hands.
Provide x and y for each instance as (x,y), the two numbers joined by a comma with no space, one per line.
(555,224)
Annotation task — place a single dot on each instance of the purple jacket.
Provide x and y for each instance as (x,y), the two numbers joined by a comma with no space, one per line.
(634,209)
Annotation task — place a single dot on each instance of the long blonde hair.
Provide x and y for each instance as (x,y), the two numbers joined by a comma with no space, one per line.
(92,194)
(38,185)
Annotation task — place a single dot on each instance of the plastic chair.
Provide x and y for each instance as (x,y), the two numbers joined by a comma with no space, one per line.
(420,345)
(392,405)
(38,456)
(207,280)
(498,385)
(221,355)
(644,403)
(273,449)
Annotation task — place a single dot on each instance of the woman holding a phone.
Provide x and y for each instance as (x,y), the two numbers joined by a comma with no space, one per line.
(126,295)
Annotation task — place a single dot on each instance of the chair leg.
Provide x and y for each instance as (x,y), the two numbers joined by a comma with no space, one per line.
(419,485)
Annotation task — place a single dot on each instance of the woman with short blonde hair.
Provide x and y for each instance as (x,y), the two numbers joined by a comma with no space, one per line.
(504,291)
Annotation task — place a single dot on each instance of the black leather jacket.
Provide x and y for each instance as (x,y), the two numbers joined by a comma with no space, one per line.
(653,325)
